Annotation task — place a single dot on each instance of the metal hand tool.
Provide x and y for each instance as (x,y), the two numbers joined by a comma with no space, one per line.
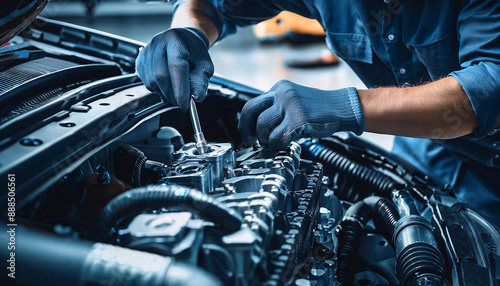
(199,139)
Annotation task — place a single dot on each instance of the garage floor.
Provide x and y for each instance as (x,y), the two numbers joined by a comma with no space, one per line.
(239,57)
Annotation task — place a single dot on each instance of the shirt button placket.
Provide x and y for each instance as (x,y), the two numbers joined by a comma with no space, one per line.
(393,47)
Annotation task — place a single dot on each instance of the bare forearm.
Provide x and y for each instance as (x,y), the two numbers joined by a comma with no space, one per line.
(440,109)
(193,14)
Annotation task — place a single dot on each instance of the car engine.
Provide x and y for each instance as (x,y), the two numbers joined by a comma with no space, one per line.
(109,189)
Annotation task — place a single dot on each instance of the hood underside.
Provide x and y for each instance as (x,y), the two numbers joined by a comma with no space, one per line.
(16,15)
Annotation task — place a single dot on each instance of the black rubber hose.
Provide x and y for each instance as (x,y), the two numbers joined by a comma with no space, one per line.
(137,172)
(44,259)
(362,177)
(163,196)
(420,262)
(349,239)
(418,257)
(352,228)
(385,215)
(128,164)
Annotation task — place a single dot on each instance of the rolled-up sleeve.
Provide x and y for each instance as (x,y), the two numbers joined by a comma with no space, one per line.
(228,14)
(478,29)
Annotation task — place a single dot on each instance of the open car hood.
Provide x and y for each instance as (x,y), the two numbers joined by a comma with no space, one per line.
(16,15)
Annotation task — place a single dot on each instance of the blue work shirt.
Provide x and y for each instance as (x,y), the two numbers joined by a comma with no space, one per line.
(399,42)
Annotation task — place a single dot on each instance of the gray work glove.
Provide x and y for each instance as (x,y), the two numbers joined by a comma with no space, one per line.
(289,111)
(176,65)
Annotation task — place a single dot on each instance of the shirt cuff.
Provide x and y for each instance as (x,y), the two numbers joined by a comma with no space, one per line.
(224,27)
(480,83)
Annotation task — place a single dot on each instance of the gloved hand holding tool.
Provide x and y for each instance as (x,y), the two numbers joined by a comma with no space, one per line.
(176,65)
(289,111)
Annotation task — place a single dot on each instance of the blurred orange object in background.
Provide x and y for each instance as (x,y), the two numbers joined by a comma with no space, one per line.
(286,23)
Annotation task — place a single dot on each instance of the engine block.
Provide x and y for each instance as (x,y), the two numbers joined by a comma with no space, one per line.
(278,195)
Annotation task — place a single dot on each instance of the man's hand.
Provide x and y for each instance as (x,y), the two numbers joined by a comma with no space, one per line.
(176,65)
(289,111)
(438,110)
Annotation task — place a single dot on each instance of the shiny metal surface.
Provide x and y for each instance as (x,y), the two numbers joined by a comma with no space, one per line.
(404,203)
(220,157)
(199,139)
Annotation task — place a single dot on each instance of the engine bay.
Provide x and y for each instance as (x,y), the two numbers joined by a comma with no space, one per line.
(321,212)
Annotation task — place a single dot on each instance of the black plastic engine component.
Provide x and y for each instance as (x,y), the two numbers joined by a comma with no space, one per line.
(176,234)
(134,168)
(100,190)
(55,202)
(161,196)
(470,243)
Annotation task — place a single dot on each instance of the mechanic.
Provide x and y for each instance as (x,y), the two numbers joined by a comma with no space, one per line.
(432,68)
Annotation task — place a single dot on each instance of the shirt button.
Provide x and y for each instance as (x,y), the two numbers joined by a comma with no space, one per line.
(402,71)
(390,37)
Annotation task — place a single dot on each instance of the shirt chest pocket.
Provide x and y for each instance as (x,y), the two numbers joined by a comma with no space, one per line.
(350,47)
(439,57)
